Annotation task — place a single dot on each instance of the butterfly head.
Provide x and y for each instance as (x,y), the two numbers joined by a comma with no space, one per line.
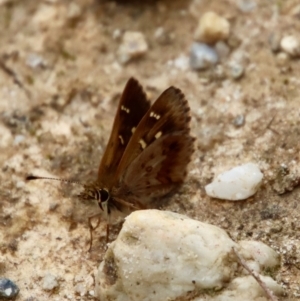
(91,193)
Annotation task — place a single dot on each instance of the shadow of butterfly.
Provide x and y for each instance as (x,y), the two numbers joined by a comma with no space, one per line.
(147,153)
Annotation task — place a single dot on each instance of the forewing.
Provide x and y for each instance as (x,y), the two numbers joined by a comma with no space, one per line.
(161,167)
(132,107)
(169,114)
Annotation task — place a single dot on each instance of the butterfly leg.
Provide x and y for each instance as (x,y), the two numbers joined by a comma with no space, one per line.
(107,233)
(92,228)
(107,214)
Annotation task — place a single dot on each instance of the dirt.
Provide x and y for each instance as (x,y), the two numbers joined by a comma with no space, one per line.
(56,117)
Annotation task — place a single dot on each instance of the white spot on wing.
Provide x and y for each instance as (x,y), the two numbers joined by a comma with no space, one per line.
(133,130)
(154,115)
(142,143)
(121,139)
(157,135)
(126,110)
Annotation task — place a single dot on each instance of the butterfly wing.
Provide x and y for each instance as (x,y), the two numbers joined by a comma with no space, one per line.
(132,107)
(162,166)
(160,149)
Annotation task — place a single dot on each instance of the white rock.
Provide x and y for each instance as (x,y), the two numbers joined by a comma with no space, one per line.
(238,183)
(49,282)
(290,45)
(246,289)
(133,45)
(161,255)
(202,56)
(262,254)
(212,28)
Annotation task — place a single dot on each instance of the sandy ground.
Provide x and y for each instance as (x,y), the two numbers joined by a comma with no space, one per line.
(56,118)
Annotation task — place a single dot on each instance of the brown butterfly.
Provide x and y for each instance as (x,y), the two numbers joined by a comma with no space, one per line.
(147,153)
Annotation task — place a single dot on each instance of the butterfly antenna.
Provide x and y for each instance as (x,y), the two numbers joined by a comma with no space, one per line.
(31,177)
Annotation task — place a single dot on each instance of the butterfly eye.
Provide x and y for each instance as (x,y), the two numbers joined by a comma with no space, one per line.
(104,195)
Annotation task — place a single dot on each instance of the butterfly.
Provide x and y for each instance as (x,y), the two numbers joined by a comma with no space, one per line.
(147,154)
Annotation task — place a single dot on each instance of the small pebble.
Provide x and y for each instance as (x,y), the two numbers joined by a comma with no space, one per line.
(234,41)
(92,293)
(53,206)
(133,46)
(117,34)
(202,56)
(74,11)
(276,229)
(236,70)
(282,58)
(246,6)
(239,120)
(44,14)
(239,57)
(163,37)
(34,61)
(80,289)
(181,63)
(238,183)
(49,282)
(222,50)
(212,28)
(219,72)
(8,289)
(20,184)
(18,139)
(274,41)
(290,45)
